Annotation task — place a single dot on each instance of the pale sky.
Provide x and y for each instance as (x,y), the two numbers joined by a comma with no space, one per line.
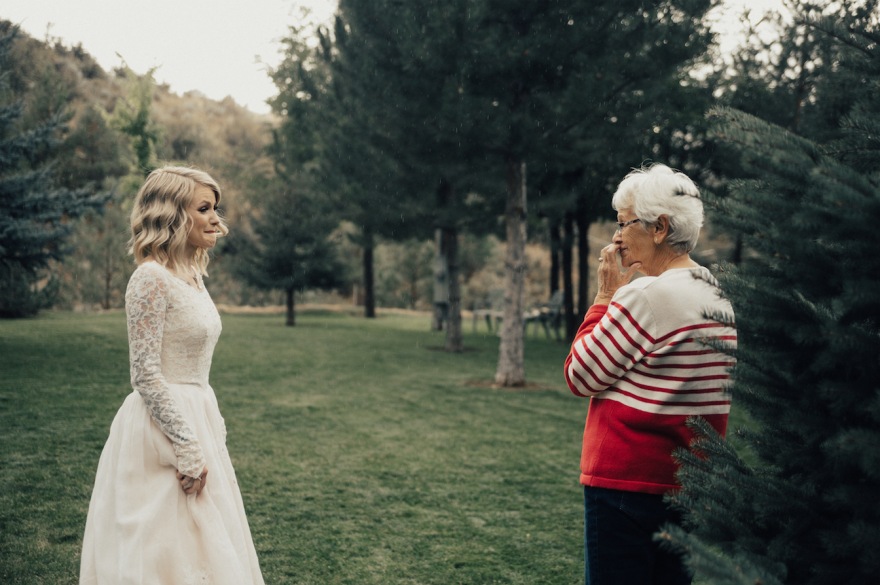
(218,47)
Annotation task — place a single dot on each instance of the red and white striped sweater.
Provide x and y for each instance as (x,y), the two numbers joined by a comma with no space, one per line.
(644,362)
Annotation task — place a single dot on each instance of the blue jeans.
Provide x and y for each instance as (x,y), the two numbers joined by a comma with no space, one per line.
(618,540)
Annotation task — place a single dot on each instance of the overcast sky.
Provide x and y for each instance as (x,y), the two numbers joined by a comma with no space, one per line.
(219,47)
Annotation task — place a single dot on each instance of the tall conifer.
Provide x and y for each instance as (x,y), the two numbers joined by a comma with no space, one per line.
(289,248)
(34,213)
(808,323)
(467,92)
(333,135)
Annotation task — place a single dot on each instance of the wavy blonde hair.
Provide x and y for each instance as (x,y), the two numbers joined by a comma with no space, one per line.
(160,223)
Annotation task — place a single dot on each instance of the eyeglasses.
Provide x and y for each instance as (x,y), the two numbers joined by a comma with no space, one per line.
(623,224)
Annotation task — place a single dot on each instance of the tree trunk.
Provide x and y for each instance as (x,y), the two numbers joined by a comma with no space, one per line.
(108,276)
(737,250)
(369,289)
(441,282)
(803,85)
(511,354)
(567,283)
(291,315)
(583,229)
(555,245)
(454,341)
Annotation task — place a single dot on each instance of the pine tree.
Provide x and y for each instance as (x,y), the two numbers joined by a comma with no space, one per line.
(131,116)
(330,134)
(789,76)
(289,248)
(631,100)
(35,214)
(808,325)
(93,151)
(406,60)
(122,143)
(475,89)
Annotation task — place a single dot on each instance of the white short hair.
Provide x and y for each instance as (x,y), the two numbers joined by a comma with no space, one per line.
(656,190)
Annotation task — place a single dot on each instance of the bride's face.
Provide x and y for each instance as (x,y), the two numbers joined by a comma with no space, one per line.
(204,227)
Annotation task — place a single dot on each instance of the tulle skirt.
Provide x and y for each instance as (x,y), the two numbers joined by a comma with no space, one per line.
(142,529)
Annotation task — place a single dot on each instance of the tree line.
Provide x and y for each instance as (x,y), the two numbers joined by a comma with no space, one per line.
(473,117)
(478,117)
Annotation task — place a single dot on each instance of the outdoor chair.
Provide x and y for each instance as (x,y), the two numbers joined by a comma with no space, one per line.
(492,308)
(548,315)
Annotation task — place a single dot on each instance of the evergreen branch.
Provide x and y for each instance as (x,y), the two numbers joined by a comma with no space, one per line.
(720,570)
(808,335)
(858,446)
(846,35)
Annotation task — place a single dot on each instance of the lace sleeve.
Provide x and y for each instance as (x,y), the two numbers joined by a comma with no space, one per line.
(145,305)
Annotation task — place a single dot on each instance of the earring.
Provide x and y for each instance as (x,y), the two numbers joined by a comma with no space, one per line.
(656,241)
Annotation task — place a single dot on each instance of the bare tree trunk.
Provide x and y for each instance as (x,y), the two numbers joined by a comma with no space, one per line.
(555,245)
(567,281)
(291,314)
(441,282)
(511,353)
(454,340)
(108,276)
(803,85)
(583,225)
(413,291)
(369,289)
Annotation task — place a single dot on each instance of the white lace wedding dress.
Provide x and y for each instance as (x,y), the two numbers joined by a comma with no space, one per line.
(142,528)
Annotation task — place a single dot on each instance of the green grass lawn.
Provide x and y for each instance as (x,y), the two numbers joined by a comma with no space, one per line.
(362,456)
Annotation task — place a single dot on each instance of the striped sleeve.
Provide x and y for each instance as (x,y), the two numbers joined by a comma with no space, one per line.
(610,342)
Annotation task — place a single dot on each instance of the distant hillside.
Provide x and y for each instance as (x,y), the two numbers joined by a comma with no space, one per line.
(221,137)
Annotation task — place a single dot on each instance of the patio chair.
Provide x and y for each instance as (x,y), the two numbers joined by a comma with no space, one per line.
(548,315)
(491,308)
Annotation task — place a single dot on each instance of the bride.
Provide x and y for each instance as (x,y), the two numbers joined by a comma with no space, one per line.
(157,516)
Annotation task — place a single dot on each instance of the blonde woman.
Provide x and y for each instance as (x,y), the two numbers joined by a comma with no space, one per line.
(157,515)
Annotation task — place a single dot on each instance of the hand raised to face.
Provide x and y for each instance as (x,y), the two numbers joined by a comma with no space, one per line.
(609,275)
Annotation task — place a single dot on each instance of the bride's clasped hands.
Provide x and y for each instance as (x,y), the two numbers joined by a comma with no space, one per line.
(193,485)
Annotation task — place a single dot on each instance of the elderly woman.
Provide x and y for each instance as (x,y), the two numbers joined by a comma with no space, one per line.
(643,358)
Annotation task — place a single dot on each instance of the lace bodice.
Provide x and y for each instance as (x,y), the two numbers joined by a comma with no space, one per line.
(172,331)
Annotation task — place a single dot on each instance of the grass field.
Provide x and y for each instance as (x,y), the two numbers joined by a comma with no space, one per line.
(362,455)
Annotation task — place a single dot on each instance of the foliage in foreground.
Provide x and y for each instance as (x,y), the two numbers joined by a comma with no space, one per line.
(808,321)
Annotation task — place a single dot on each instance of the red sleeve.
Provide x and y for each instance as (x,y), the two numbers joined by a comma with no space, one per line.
(594,315)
